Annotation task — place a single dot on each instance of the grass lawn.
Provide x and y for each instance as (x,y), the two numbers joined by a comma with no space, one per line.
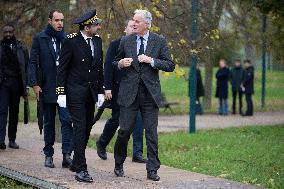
(176,90)
(253,155)
(9,183)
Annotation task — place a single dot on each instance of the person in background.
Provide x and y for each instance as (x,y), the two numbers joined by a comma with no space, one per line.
(199,91)
(248,86)
(44,61)
(112,77)
(14,59)
(222,76)
(237,74)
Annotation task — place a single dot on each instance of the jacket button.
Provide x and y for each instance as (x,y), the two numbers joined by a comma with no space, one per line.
(89,71)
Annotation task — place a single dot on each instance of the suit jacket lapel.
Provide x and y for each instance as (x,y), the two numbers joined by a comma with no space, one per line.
(150,45)
(50,46)
(133,47)
(83,46)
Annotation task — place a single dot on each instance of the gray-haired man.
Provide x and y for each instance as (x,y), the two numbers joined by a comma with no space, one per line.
(141,56)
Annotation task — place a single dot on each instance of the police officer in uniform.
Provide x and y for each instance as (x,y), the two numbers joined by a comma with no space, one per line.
(80,84)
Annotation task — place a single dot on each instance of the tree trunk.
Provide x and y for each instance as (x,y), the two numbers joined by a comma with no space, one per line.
(207,101)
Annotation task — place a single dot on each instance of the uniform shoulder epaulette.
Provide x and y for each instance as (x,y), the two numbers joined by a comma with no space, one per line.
(71,35)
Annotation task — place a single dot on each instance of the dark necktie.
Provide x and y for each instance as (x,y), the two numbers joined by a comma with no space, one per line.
(141,49)
(89,43)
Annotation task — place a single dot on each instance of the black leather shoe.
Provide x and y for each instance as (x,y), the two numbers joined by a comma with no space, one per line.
(67,161)
(49,162)
(72,168)
(152,175)
(101,151)
(83,176)
(13,144)
(118,170)
(139,159)
(2,146)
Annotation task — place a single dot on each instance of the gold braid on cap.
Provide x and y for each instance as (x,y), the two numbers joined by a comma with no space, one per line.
(90,21)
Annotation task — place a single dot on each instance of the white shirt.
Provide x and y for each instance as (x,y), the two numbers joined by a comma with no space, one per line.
(86,39)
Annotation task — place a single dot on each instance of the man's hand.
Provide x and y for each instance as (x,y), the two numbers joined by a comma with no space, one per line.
(108,94)
(61,101)
(37,90)
(101,99)
(243,88)
(144,59)
(126,62)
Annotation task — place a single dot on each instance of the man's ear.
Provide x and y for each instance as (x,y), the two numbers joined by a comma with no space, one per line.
(49,20)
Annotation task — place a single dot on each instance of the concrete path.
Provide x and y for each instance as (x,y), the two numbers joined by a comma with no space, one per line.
(29,161)
(209,121)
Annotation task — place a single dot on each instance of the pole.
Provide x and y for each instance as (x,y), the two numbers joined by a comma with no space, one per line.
(263,61)
(192,80)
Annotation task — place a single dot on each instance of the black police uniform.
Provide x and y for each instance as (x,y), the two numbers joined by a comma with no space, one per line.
(80,77)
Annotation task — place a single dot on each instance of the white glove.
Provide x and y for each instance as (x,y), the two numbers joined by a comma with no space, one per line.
(61,101)
(101,99)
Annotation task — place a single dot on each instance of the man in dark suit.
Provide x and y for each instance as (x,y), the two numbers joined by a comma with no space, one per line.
(14,59)
(112,77)
(248,86)
(42,77)
(140,58)
(236,77)
(80,85)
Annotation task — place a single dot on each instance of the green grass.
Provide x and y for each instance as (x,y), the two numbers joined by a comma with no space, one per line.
(9,183)
(253,155)
(176,90)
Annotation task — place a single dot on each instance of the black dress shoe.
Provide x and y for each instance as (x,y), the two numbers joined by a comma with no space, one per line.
(2,146)
(139,159)
(118,170)
(67,161)
(101,151)
(49,162)
(13,144)
(83,176)
(152,175)
(72,168)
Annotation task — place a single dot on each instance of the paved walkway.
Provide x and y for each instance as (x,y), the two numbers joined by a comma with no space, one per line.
(29,158)
(209,121)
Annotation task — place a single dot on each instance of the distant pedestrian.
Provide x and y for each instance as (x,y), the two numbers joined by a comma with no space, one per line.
(222,76)
(237,74)
(248,86)
(199,91)
(13,81)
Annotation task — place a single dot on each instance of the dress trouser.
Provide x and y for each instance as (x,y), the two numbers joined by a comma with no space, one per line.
(240,94)
(249,104)
(9,103)
(82,114)
(149,111)
(49,113)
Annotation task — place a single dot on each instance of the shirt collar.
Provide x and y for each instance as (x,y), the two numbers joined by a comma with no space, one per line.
(145,37)
(85,36)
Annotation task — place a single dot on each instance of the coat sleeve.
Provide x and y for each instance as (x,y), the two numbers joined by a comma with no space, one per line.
(62,69)
(108,70)
(34,62)
(164,61)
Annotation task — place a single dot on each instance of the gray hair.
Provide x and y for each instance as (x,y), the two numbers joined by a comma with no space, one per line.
(146,15)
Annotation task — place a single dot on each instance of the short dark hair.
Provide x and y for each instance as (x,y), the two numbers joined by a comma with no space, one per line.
(9,25)
(247,61)
(50,15)
(237,60)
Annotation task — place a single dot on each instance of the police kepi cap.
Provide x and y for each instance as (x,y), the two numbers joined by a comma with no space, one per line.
(88,18)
